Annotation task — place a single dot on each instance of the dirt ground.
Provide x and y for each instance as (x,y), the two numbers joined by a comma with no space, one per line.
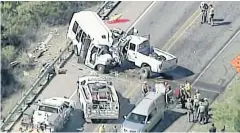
(27,78)
(223,110)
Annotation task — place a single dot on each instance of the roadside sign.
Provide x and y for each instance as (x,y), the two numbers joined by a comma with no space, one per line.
(236,63)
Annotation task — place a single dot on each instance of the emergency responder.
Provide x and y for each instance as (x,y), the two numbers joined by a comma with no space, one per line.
(206,104)
(198,95)
(114,130)
(195,107)
(211,15)
(188,89)
(183,96)
(145,88)
(169,94)
(212,129)
(204,9)
(101,129)
(189,107)
(201,110)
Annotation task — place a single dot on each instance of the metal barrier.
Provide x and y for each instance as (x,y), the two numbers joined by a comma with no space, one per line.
(43,79)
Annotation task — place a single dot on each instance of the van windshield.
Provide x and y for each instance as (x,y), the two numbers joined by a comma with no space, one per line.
(136,118)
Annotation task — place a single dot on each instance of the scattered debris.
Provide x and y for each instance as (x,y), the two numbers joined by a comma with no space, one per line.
(14,63)
(25,73)
(62,71)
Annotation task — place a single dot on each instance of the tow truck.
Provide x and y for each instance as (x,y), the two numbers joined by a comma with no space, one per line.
(49,115)
(103,49)
(98,98)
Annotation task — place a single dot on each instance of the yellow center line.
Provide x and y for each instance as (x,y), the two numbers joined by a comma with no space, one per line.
(173,39)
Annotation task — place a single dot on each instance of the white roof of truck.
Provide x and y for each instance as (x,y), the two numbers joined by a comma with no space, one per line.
(54,101)
(93,25)
(137,39)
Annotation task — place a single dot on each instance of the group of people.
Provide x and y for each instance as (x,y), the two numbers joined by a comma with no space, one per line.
(207,10)
(197,107)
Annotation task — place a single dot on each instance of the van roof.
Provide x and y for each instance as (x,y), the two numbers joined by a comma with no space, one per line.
(143,107)
(91,23)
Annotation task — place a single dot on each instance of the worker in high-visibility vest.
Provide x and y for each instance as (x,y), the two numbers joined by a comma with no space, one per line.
(101,129)
(188,89)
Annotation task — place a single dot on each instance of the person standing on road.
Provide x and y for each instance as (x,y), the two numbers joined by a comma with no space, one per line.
(195,107)
(213,129)
(211,15)
(188,89)
(204,9)
(101,129)
(114,130)
(145,88)
(189,107)
(201,111)
(206,104)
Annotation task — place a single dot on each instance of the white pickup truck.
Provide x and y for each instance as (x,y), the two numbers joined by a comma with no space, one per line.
(138,50)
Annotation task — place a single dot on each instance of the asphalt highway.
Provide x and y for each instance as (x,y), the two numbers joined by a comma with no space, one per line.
(174,27)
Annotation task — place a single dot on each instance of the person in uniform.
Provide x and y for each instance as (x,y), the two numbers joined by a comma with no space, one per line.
(201,111)
(189,107)
(195,107)
(206,104)
(212,129)
(183,96)
(145,88)
(114,130)
(204,9)
(188,89)
(198,95)
(101,129)
(211,15)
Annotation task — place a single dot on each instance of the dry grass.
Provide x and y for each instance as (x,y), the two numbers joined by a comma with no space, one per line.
(224,110)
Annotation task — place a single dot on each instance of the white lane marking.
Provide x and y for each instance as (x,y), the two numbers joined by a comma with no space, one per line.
(209,90)
(73,94)
(135,22)
(141,16)
(211,62)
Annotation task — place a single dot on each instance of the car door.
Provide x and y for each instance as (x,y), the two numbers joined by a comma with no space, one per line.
(152,119)
(93,50)
(131,52)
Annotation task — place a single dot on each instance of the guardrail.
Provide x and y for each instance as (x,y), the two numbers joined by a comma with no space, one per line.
(43,79)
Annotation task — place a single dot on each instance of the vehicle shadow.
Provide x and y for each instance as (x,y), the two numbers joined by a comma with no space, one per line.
(125,108)
(218,19)
(178,73)
(221,23)
(169,118)
(75,122)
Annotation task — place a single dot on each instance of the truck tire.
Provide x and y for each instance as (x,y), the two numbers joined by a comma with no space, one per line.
(145,72)
(101,68)
(76,50)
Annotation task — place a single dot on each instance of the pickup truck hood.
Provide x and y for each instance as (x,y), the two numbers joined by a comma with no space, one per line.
(41,116)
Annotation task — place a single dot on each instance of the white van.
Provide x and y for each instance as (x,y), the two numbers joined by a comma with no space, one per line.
(146,114)
(87,28)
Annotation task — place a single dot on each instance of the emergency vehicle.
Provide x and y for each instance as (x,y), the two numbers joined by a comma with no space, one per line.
(98,98)
(49,115)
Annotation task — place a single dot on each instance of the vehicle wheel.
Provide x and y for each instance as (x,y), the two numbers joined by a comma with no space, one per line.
(145,72)
(101,68)
(76,50)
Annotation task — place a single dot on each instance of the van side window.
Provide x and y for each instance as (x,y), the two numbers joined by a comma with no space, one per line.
(132,46)
(150,116)
(79,35)
(83,37)
(75,27)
